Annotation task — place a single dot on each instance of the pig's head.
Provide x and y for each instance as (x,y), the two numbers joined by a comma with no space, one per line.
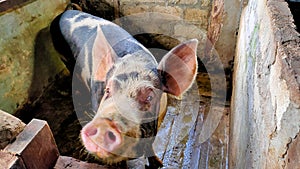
(127,119)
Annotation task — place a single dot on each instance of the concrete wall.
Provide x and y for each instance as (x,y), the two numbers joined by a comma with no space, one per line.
(18,62)
(265,119)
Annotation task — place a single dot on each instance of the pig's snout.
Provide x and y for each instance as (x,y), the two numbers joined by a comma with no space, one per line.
(102,137)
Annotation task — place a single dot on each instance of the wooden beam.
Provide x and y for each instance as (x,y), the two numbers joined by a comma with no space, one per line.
(8,5)
(72,163)
(35,146)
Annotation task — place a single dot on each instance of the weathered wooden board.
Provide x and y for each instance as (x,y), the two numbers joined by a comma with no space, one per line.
(35,145)
(6,5)
(64,162)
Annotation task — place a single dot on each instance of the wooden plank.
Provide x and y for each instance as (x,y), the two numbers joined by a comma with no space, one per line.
(35,145)
(72,163)
(7,5)
(8,160)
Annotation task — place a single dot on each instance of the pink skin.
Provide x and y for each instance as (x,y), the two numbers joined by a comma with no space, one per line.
(101,141)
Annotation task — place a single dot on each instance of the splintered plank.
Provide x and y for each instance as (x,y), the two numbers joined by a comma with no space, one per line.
(64,162)
(35,145)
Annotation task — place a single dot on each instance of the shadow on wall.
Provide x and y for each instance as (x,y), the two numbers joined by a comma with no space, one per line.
(47,68)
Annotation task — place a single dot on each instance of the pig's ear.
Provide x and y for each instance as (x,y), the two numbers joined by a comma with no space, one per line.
(103,56)
(178,68)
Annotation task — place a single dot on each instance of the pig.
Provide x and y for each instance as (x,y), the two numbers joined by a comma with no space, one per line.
(127,87)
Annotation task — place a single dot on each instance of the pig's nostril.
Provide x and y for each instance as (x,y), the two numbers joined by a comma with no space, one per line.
(91,132)
(111,136)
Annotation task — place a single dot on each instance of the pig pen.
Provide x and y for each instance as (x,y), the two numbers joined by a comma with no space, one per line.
(181,141)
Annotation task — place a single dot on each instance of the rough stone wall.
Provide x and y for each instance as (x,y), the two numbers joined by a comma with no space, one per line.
(217,18)
(19,29)
(10,127)
(174,21)
(194,11)
(265,119)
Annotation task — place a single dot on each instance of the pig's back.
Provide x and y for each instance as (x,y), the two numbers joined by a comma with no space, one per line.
(79,29)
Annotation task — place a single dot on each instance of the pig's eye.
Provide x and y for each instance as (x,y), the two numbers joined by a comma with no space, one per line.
(145,96)
(149,99)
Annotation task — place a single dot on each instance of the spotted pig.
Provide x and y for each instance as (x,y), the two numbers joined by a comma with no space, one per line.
(127,87)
